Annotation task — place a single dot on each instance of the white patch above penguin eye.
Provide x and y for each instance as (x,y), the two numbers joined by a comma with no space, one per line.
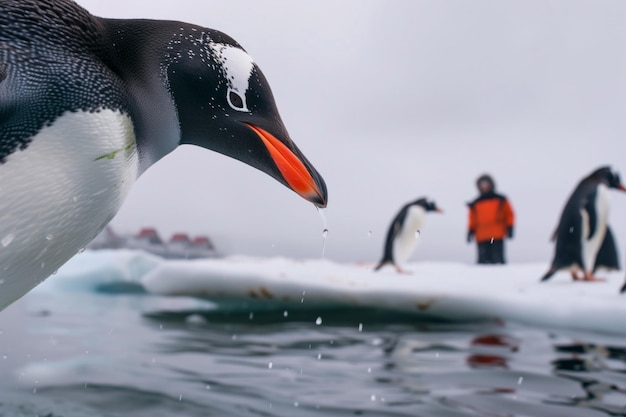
(237,68)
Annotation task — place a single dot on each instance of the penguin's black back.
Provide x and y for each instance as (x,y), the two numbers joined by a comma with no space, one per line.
(392,232)
(568,234)
(49,65)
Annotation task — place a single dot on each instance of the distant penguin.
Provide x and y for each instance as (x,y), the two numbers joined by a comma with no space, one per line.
(87,104)
(402,234)
(584,241)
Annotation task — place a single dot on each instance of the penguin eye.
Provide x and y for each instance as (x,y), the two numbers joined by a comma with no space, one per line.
(235,100)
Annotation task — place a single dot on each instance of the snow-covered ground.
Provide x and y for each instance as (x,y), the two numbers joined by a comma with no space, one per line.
(441,290)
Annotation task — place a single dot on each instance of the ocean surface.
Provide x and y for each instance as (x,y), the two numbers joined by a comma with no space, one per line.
(118,351)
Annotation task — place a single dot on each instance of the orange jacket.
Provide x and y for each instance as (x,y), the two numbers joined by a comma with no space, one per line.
(490,217)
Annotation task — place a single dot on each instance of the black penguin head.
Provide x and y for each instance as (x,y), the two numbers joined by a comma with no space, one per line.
(224,103)
(609,177)
(427,205)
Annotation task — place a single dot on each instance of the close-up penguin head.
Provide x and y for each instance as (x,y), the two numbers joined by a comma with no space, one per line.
(224,103)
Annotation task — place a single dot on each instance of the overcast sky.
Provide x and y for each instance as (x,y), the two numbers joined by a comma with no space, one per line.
(393,100)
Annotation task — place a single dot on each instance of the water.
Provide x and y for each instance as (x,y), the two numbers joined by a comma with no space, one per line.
(85,354)
(322,213)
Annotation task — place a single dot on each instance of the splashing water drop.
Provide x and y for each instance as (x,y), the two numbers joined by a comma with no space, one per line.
(318,321)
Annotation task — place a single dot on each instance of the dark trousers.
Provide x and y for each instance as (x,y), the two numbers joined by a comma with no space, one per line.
(491,252)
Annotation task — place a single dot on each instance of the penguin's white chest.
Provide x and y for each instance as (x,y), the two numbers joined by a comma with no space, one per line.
(591,247)
(406,240)
(58,193)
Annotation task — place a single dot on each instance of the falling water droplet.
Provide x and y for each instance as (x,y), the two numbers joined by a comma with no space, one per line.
(180,397)
(250,316)
(373,397)
(318,321)
(322,213)
(270,365)
(319,356)
(49,237)
(285,313)
(296,404)
(82,250)
(491,241)
(6,241)
(520,380)
(360,327)
(2,281)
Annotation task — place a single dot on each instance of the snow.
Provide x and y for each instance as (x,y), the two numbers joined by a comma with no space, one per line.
(434,290)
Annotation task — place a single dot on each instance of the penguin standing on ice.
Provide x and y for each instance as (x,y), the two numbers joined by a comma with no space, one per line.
(402,234)
(87,104)
(584,241)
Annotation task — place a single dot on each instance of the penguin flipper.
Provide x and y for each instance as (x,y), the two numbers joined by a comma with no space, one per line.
(592,215)
(607,255)
(548,275)
(555,234)
(380,265)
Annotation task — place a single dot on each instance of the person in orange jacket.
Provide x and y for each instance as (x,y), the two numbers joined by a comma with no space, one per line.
(491,220)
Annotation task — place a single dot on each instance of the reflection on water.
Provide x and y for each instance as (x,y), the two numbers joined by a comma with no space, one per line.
(135,355)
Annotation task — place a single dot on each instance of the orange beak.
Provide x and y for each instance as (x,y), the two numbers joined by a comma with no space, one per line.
(292,169)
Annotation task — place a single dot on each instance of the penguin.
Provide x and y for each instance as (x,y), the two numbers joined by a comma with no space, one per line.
(583,239)
(402,234)
(88,104)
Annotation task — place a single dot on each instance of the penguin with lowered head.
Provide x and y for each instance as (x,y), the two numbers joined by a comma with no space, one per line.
(402,234)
